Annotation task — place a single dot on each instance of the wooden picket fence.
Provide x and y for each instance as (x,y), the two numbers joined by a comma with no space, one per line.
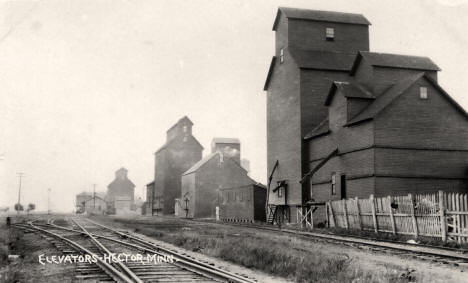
(440,215)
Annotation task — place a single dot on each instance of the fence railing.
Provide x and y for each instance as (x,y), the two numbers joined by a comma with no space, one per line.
(441,215)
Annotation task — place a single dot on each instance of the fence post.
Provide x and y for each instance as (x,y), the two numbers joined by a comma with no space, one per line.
(458,226)
(374,216)
(443,223)
(299,217)
(413,216)
(327,215)
(311,211)
(392,218)
(332,214)
(345,213)
(465,223)
(358,211)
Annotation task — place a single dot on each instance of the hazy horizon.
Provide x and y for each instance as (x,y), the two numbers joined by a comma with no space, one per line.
(88,86)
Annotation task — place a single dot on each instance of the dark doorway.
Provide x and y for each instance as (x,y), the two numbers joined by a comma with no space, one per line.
(343,186)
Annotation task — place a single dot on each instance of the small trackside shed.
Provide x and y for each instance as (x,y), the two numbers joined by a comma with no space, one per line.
(243,203)
(95,205)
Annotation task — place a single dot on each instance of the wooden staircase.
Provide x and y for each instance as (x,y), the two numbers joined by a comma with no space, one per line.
(278,214)
(271,214)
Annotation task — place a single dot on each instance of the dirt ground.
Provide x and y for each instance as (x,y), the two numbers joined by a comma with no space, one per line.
(368,265)
(28,246)
(375,264)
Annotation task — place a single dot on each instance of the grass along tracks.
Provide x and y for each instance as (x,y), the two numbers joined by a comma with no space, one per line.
(296,257)
(293,257)
(436,253)
(105,241)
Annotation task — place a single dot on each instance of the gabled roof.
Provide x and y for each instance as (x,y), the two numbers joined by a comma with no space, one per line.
(261,185)
(385,99)
(225,140)
(349,89)
(270,72)
(320,130)
(101,194)
(447,96)
(321,16)
(92,198)
(197,166)
(168,143)
(254,183)
(322,60)
(200,163)
(394,61)
(316,60)
(90,194)
(311,173)
(164,146)
(125,182)
(185,118)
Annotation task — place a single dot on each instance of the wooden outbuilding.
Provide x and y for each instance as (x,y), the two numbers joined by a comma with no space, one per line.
(202,183)
(243,203)
(95,205)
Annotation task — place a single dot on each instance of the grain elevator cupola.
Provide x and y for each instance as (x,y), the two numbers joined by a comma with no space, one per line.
(229,147)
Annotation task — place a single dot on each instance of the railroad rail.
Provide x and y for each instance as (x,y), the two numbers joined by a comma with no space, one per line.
(183,260)
(115,274)
(108,236)
(422,251)
(105,241)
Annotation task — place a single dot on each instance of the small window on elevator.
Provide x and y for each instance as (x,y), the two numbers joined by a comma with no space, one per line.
(333,183)
(281,55)
(330,34)
(423,92)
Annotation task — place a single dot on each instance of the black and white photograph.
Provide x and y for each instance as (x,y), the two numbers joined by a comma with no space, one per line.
(240,141)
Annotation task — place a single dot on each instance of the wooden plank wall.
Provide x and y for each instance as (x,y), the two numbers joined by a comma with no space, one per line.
(439,215)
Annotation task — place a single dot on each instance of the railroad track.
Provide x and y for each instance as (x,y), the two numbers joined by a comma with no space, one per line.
(86,237)
(444,255)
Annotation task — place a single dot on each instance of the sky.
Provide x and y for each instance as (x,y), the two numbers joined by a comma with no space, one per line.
(89,86)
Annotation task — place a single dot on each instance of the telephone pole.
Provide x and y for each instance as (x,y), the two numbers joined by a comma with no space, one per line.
(94,197)
(20,176)
(48,201)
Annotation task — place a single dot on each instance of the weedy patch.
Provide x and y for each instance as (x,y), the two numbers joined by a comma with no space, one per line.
(395,238)
(26,267)
(3,245)
(281,256)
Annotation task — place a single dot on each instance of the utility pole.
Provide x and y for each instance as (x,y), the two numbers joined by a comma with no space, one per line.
(20,175)
(94,197)
(48,201)
(152,200)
